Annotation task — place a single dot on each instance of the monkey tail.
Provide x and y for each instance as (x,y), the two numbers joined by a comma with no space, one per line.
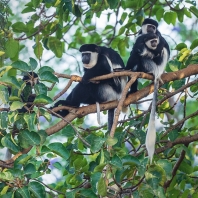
(98,112)
(110,118)
(151,133)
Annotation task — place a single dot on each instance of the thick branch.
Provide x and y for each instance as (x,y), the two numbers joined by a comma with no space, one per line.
(82,111)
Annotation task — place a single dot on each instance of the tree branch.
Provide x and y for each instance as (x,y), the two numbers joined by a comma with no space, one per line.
(85,110)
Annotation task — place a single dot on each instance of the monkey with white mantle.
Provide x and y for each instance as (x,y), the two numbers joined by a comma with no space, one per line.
(149,54)
(97,61)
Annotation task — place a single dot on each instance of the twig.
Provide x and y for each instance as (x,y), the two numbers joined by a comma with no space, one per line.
(64,90)
(175,168)
(48,187)
(80,137)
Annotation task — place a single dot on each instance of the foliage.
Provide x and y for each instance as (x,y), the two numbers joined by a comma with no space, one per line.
(88,168)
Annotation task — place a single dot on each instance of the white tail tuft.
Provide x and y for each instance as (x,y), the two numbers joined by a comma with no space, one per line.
(150,139)
(98,112)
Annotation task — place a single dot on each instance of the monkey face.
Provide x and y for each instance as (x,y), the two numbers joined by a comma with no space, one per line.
(89,59)
(148,28)
(152,43)
(151,28)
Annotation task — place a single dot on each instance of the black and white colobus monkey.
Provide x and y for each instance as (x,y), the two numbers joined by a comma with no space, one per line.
(150,54)
(97,60)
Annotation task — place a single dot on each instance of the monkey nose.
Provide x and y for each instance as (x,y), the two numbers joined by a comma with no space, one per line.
(85,59)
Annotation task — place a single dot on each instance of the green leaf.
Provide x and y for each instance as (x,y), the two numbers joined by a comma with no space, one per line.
(28,138)
(33,64)
(7,176)
(56,46)
(38,50)
(28,9)
(111,141)
(94,180)
(37,189)
(43,135)
(121,30)
(121,47)
(99,168)
(42,99)
(4,190)
(123,17)
(174,65)
(194,10)
(159,14)
(79,163)
(116,161)
(19,27)
(24,192)
(6,141)
(187,13)
(11,48)
(48,76)
(141,135)
(45,114)
(4,97)
(155,176)
(36,3)
(130,160)
(21,66)
(40,88)
(3,120)
(180,46)
(29,169)
(178,83)
(16,105)
(30,120)
(45,69)
(170,17)
(4,69)
(59,149)
(113,3)
(68,131)
(185,167)
(102,188)
(88,193)
(97,143)
(11,80)
(173,135)
(167,166)
(194,44)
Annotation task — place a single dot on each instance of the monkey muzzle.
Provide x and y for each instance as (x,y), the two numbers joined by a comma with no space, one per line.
(86,58)
(154,43)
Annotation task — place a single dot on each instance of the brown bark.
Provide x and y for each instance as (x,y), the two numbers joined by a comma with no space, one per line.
(132,98)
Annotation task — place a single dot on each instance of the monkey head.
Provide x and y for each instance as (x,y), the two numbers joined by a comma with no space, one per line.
(151,41)
(149,26)
(89,55)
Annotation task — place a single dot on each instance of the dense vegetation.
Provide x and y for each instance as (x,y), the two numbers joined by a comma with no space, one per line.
(44,36)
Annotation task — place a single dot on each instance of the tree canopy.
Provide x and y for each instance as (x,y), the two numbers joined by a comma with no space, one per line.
(44,36)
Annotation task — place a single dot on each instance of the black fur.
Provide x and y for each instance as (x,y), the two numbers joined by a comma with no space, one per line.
(106,90)
(138,63)
(30,78)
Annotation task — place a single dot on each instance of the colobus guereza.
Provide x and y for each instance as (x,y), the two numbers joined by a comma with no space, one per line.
(97,60)
(150,54)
